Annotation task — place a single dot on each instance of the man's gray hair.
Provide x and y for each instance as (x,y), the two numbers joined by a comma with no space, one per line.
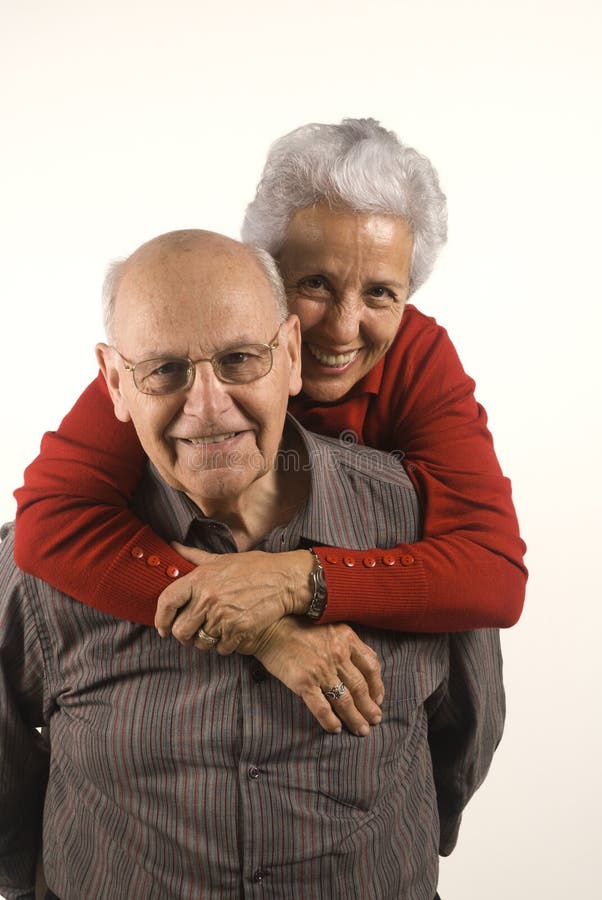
(110,286)
(357,164)
(116,269)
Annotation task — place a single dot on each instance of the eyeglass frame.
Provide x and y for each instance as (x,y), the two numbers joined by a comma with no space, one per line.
(192,364)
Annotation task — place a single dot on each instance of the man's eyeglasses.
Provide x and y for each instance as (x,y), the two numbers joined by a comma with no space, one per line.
(168,375)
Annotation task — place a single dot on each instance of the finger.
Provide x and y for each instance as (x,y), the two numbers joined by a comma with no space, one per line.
(321,710)
(170,602)
(359,690)
(192,617)
(345,708)
(192,554)
(367,663)
(202,640)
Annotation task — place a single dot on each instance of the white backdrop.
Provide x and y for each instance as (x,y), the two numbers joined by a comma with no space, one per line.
(124,119)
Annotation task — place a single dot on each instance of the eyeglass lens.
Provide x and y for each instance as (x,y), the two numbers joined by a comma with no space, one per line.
(236,366)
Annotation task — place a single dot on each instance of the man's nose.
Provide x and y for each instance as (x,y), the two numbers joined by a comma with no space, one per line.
(207,395)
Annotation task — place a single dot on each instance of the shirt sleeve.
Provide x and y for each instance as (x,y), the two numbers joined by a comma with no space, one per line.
(467,572)
(465,725)
(23,752)
(74,528)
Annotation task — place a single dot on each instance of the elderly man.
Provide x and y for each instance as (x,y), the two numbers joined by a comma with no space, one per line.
(175,773)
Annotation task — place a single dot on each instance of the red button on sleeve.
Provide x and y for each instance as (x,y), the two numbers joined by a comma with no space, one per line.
(137,552)
(388,560)
(349,561)
(407,559)
(369,562)
(172,571)
(331,559)
(153,561)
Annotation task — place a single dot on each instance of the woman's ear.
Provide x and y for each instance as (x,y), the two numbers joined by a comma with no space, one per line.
(113,373)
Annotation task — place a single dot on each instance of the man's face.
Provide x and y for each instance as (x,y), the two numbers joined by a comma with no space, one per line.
(214,441)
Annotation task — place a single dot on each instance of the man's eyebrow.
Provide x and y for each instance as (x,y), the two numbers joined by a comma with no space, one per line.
(239,340)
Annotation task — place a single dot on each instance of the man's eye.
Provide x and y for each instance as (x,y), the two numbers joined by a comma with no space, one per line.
(168,368)
(236,358)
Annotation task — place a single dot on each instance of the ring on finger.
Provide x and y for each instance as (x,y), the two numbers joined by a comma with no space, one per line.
(207,638)
(336,692)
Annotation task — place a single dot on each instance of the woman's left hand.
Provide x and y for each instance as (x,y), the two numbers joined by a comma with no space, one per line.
(234,596)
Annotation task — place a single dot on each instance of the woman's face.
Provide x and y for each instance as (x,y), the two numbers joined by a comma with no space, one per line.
(347,277)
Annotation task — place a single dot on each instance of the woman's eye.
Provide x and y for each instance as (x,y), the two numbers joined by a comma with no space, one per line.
(381,295)
(313,282)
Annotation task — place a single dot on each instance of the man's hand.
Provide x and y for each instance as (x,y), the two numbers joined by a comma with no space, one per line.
(234,596)
(310,659)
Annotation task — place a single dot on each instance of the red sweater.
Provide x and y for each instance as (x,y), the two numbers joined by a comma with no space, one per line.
(75,530)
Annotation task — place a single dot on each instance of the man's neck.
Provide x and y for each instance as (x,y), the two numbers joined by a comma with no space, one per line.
(270,501)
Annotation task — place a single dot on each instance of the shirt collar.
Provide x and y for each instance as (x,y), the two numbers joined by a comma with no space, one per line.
(313,523)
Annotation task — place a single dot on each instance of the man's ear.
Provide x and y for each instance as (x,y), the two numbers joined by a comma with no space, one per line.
(107,360)
(292,328)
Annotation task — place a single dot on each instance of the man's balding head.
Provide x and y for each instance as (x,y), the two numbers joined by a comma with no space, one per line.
(189,295)
(168,251)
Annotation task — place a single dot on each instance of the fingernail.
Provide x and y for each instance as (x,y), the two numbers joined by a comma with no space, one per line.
(379,699)
(363,730)
(376,719)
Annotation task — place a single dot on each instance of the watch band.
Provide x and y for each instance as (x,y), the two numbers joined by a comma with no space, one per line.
(320,592)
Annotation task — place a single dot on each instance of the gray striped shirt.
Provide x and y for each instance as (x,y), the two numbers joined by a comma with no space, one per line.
(178,774)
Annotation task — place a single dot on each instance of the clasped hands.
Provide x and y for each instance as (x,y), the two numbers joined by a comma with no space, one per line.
(254,602)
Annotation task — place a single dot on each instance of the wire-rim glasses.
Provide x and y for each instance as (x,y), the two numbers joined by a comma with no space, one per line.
(163,375)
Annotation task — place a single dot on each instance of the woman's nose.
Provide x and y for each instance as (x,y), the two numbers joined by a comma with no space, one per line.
(342,323)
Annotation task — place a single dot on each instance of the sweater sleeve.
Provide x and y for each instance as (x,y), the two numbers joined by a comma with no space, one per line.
(467,572)
(74,528)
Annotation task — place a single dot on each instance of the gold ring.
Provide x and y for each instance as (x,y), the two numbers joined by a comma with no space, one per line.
(207,638)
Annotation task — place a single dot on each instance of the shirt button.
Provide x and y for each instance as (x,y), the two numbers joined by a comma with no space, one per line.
(137,552)
(331,559)
(153,561)
(369,562)
(258,673)
(388,560)
(349,561)
(407,559)
(259,875)
(172,571)
(254,772)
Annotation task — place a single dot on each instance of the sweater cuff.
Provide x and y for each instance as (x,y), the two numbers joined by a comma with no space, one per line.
(137,576)
(382,589)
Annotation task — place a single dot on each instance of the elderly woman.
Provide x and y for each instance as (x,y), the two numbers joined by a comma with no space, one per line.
(355,220)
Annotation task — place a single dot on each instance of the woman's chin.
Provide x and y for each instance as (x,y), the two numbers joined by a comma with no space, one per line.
(329,383)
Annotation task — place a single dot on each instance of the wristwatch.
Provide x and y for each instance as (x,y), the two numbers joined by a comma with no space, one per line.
(320,591)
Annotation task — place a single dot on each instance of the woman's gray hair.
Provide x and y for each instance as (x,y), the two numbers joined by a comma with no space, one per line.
(116,269)
(357,164)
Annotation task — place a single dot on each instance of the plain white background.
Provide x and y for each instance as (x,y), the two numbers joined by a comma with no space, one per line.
(125,119)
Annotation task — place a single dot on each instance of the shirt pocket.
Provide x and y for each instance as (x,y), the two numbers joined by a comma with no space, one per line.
(360,772)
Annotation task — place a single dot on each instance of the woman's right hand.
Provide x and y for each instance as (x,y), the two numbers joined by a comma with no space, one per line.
(234,596)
